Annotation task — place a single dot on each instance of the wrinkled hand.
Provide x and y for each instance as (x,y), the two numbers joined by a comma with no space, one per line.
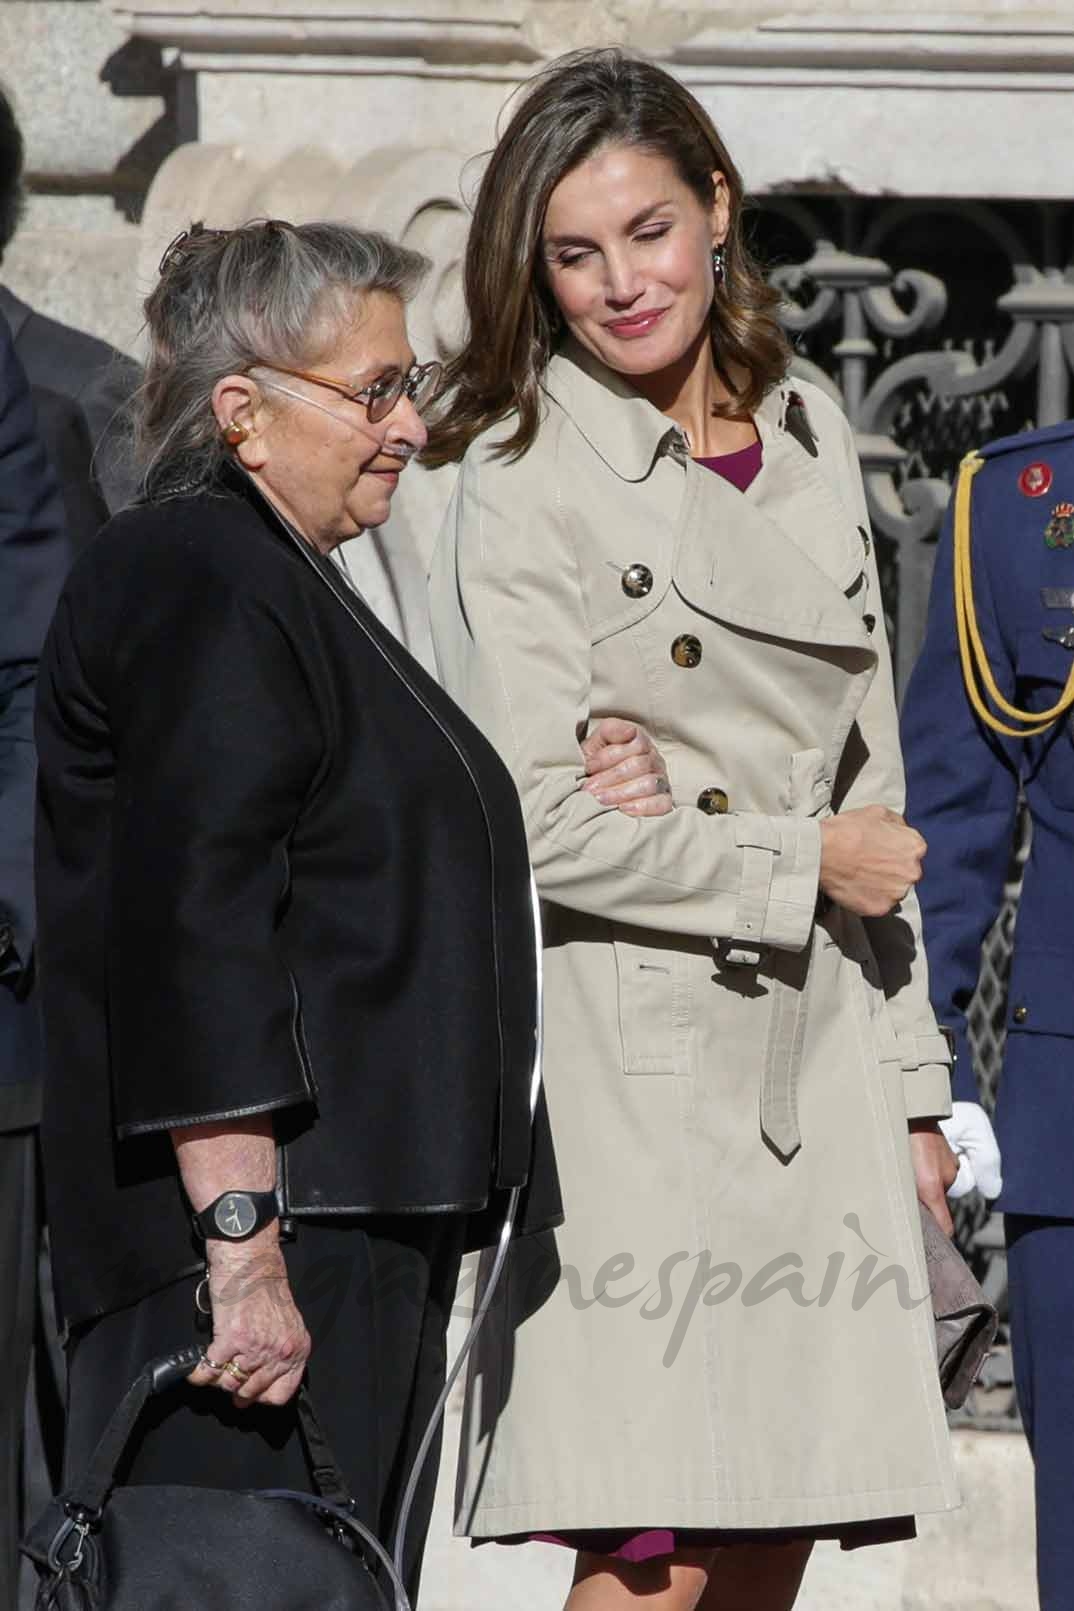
(970,1134)
(935,1169)
(255,1323)
(869,860)
(626,770)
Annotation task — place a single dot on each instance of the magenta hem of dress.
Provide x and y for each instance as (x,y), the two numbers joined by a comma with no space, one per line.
(635,1545)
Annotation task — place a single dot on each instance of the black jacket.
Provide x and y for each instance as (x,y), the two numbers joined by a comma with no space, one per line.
(278,870)
(34,556)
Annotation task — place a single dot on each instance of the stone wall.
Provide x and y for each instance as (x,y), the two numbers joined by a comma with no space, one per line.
(99,113)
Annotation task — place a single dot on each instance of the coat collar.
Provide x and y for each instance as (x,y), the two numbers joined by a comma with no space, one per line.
(765,574)
(620,425)
(623,427)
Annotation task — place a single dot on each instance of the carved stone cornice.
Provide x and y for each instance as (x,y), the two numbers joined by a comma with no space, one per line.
(351,36)
(988,46)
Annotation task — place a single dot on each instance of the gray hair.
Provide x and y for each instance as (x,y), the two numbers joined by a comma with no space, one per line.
(226,300)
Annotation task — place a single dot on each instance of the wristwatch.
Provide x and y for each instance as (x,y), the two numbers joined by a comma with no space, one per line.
(235,1216)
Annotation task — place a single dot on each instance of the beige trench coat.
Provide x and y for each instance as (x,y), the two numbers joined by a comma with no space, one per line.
(732,1328)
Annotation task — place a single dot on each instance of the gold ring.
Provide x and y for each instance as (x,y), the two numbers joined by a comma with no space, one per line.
(237,1371)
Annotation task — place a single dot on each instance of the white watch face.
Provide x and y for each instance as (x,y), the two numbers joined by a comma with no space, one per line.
(235,1214)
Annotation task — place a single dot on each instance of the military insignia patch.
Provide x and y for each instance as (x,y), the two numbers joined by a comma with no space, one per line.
(1059,532)
(1035,479)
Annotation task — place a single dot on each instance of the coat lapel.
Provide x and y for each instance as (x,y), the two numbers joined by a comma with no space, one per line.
(779,559)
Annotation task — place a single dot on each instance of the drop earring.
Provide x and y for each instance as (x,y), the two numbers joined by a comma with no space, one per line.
(235,433)
(719,265)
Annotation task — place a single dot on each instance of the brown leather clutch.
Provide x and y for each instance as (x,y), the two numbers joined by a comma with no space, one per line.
(966,1323)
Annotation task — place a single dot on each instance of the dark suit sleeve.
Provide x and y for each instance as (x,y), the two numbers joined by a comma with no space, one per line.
(218,744)
(962,791)
(107,403)
(66,436)
(33,561)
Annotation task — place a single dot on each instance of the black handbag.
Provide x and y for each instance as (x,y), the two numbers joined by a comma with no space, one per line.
(172,1548)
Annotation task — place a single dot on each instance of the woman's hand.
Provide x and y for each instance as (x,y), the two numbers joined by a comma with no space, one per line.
(256,1326)
(935,1169)
(626,770)
(257,1330)
(869,860)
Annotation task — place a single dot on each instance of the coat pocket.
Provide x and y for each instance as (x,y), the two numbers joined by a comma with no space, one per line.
(298,1037)
(654,1008)
(1044,664)
(1039,1001)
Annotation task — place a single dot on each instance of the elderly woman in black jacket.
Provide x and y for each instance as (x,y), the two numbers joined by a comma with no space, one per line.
(287,945)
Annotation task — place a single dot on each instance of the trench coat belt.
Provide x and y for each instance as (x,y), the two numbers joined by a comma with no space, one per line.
(786,1026)
(783,1061)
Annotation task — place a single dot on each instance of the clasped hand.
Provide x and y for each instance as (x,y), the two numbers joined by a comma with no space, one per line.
(870,859)
(626,770)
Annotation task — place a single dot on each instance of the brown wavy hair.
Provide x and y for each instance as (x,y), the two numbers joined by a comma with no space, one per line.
(578,105)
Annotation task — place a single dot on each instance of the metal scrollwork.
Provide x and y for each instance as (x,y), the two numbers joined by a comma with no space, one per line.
(922,382)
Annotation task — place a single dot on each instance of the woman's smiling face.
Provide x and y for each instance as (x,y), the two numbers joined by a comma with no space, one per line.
(627,249)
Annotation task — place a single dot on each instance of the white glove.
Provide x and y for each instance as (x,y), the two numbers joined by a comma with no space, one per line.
(971,1137)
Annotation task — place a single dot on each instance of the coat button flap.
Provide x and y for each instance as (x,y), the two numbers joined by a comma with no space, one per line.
(809,784)
(686,651)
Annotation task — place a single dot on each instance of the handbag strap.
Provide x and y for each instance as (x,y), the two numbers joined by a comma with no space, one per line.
(88,1495)
(325,1469)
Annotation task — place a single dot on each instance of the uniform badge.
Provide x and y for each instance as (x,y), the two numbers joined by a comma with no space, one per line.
(1035,479)
(1059,532)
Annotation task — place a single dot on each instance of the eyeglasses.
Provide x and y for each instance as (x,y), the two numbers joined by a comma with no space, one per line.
(420,383)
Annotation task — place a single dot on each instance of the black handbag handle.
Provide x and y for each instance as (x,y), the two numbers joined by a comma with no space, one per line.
(87,1496)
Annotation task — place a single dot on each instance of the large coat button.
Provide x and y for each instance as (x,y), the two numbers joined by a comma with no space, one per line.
(713,802)
(686,651)
(637,580)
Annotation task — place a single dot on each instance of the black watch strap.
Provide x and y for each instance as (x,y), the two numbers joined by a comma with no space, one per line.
(235,1216)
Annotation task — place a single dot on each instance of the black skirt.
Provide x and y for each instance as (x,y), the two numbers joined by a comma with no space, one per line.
(376,1296)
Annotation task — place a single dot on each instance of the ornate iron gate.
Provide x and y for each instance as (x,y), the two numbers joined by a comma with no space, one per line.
(938,325)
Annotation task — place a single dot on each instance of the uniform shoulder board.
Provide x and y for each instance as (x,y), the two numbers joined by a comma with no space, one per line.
(1029,443)
(1025,464)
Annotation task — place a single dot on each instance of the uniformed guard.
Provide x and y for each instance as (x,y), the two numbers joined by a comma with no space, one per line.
(988,715)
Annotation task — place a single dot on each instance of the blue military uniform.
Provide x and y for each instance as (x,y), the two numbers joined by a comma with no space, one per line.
(963,778)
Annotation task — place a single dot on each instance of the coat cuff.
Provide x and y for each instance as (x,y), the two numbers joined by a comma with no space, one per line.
(927,1090)
(778,885)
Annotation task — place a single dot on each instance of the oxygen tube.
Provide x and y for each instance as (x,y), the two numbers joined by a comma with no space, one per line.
(393,1564)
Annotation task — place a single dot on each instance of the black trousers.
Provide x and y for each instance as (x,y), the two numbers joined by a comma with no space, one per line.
(376,1297)
(19,1232)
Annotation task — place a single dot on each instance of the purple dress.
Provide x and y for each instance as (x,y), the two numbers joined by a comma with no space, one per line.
(644,1543)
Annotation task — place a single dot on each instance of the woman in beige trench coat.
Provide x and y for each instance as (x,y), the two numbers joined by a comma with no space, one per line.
(730,1340)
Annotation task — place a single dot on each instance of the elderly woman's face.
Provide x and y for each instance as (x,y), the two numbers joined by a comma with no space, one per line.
(325,464)
(628,257)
